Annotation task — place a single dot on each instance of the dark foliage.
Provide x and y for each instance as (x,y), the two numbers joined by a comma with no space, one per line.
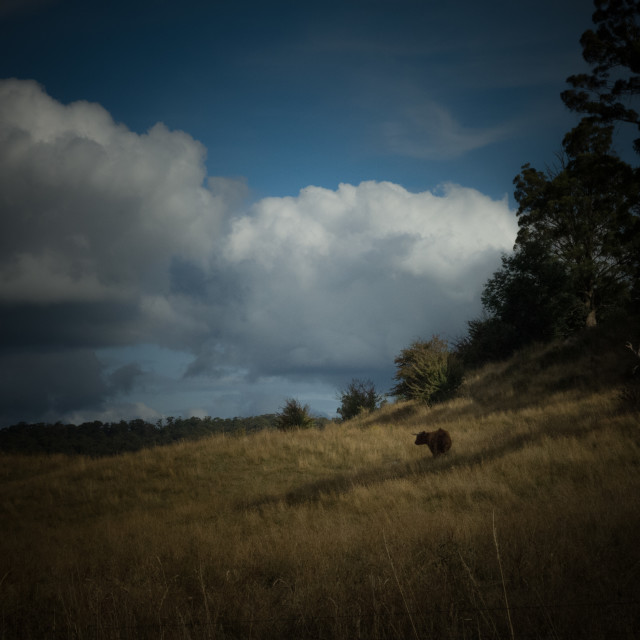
(585,216)
(105,439)
(533,294)
(294,416)
(613,51)
(360,395)
(487,340)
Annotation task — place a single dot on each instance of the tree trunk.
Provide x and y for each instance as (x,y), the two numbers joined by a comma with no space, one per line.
(591,320)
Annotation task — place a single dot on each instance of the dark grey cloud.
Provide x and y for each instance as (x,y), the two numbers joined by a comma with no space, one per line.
(71,325)
(123,379)
(187,278)
(44,385)
(103,232)
(11,8)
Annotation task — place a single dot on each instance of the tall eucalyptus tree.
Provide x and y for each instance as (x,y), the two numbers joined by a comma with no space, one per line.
(586,212)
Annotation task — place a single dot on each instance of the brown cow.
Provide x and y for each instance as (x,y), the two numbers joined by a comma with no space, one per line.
(438,441)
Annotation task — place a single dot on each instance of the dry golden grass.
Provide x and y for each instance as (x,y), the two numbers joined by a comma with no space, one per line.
(528,528)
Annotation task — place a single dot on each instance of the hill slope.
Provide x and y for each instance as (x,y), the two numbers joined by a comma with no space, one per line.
(526,529)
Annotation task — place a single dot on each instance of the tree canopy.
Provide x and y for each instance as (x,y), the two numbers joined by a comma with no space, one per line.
(294,415)
(532,295)
(585,213)
(613,51)
(358,396)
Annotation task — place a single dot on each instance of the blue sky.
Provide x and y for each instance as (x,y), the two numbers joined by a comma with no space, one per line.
(209,207)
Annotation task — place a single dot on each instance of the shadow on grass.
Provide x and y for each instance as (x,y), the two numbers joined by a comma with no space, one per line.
(343,483)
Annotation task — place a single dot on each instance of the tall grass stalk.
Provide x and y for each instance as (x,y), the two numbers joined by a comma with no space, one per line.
(395,575)
(504,586)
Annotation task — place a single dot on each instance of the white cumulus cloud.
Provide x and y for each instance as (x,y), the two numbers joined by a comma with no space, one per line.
(339,278)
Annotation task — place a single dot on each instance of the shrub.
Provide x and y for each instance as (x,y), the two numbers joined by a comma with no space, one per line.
(487,340)
(360,395)
(294,416)
(427,372)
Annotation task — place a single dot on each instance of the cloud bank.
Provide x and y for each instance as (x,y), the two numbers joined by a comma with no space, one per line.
(112,239)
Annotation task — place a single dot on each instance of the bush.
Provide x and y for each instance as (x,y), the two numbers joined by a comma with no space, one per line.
(533,296)
(294,416)
(359,396)
(427,372)
(487,340)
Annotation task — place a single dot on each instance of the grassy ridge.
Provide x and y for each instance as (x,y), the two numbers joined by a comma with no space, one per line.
(527,529)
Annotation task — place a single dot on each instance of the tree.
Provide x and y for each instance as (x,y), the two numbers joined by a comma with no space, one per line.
(585,213)
(613,50)
(360,395)
(532,294)
(294,416)
(487,339)
(427,372)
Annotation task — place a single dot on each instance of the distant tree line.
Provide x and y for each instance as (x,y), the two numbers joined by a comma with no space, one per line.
(97,439)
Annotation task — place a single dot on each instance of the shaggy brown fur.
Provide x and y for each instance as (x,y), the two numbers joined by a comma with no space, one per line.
(438,441)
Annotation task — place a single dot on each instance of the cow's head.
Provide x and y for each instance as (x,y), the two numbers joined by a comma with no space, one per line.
(422,437)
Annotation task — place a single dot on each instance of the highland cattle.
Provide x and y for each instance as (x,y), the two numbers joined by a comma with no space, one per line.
(439,442)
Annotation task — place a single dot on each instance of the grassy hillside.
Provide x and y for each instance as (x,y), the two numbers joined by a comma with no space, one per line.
(528,528)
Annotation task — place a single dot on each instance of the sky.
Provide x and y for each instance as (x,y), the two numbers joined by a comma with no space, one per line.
(208,208)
